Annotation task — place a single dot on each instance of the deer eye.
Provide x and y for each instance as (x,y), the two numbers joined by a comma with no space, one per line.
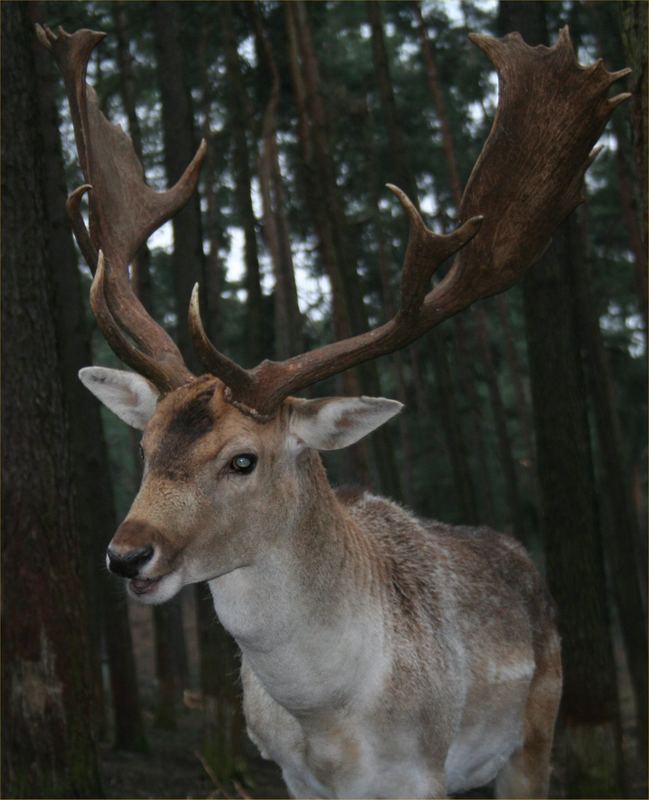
(244,463)
(141,452)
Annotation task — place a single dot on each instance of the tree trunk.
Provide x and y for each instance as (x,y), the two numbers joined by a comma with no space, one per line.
(628,564)
(188,262)
(634,36)
(397,359)
(569,526)
(141,267)
(326,209)
(451,424)
(256,346)
(478,315)
(454,437)
(589,719)
(214,278)
(620,46)
(48,748)
(289,333)
(507,463)
(224,738)
(94,502)
(631,216)
(435,89)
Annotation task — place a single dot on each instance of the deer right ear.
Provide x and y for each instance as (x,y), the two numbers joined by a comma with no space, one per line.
(126,394)
(330,423)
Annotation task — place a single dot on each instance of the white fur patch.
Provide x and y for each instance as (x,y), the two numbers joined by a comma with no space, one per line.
(516,671)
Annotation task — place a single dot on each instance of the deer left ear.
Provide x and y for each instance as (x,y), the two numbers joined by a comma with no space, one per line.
(126,394)
(334,422)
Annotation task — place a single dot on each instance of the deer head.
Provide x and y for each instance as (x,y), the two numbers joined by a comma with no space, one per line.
(224,453)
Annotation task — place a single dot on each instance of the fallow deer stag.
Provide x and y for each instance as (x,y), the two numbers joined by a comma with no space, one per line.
(382,655)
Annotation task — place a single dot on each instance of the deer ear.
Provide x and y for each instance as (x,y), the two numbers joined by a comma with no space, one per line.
(126,394)
(334,422)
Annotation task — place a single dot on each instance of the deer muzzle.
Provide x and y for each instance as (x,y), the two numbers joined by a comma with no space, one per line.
(132,547)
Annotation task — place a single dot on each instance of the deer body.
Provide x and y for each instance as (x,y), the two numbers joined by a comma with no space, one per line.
(415,677)
(382,655)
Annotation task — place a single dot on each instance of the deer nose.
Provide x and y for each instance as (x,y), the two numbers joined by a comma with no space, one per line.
(129,564)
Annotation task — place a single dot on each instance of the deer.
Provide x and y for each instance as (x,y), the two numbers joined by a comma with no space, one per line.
(382,655)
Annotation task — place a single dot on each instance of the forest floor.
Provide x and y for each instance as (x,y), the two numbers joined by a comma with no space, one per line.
(173,768)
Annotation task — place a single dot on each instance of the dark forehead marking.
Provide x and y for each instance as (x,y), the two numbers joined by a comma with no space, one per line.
(195,418)
(192,421)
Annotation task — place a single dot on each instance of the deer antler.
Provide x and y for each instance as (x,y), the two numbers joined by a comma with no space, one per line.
(528,178)
(124,212)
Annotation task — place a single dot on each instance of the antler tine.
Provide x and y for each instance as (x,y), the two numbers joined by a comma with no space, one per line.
(236,378)
(124,211)
(73,208)
(166,376)
(529,176)
(425,253)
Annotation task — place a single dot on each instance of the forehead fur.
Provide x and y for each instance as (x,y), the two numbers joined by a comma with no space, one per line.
(191,424)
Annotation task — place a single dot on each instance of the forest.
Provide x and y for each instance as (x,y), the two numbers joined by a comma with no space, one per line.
(526,412)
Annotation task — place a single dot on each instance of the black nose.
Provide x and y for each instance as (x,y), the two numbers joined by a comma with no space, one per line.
(128,564)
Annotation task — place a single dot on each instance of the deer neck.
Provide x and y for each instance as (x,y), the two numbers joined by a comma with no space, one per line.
(306,613)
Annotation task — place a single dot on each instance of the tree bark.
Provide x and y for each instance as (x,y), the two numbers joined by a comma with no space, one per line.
(620,45)
(94,502)
(224,739)
(289,330)
(214,278)
(397,359)
(188,261)
(451,424)
(326,209)
(141,267)
(628,564)
(48,748)
(256,346)
(634,36)
(589,717)
(478,315)
(569,526)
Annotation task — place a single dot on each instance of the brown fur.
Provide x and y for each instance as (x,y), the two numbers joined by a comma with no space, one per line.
(461,607)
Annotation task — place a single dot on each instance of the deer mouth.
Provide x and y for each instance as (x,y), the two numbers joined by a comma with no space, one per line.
(144,585)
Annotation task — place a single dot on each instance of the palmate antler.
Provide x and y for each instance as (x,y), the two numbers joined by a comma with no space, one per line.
(528,178)
(124,212)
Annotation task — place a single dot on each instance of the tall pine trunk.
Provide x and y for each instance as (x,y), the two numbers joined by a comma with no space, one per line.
(478,315)
(327,211)
(627,561)
(141,266)
(451,423)
(634,35)
(256,346)
(94,501)
(289,332)
(48,748)
(589,717)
